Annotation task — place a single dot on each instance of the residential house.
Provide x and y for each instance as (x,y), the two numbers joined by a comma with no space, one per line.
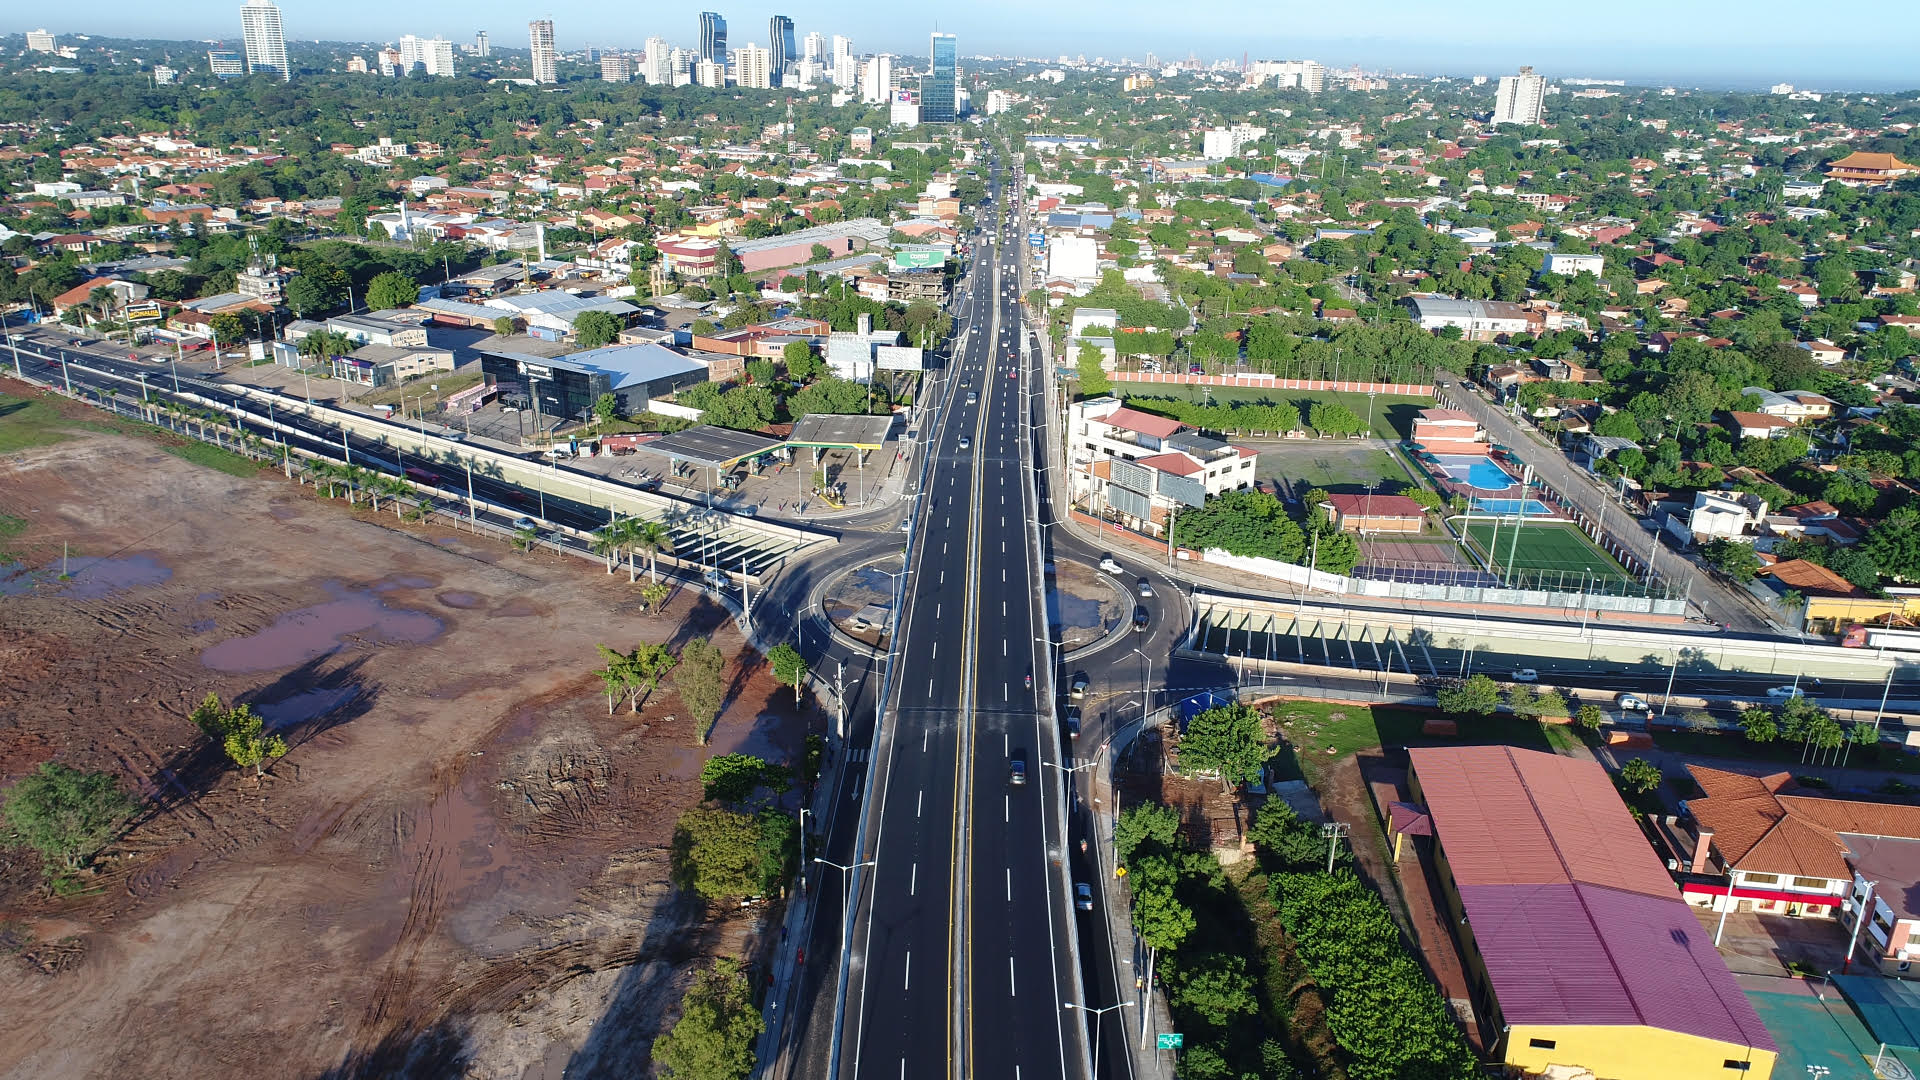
(1374,513)
(1753,425)
(1718,515)
(1862,169)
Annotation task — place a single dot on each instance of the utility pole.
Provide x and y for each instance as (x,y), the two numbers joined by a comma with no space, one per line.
(1333,831)
(1859,920)
(840,702)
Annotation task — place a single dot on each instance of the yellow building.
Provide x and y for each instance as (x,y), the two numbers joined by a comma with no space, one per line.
(1580,952)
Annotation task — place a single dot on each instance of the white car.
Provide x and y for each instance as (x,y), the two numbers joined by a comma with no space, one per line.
(1526,674)
(1785,693)
(522,523)
(1630,703)
(1109,564)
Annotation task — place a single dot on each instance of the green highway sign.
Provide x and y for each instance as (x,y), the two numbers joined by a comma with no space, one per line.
(1169,1040)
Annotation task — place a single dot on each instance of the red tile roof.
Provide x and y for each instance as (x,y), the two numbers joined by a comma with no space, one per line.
(1177,464)
(1757,828)
(1145,423)
(1375,506)
(1575,918)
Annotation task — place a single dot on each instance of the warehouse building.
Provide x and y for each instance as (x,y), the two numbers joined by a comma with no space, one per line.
(1579,948)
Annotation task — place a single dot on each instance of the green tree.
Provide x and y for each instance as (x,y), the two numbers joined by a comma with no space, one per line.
(239,732)
(1731,557)
(789,667)
(227,329)
(392,289)
(1216,989)
(701,683)
(1760,725)
(308,294)
(503,326)
(1477,694)
(1640,776)
(1148,827)
(1590,717)
(1228,739)
(1093,378)
(718,1027)
(1894,544)
(820,253)
(592,329)
(1162,920)
(733,777)
(725,855)
(1333,418)
(1286,841)
(802,364)
(606,408)
(65,814)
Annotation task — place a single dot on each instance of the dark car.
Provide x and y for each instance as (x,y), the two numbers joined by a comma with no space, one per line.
(1140,619)
(1016,772)
(1073,722)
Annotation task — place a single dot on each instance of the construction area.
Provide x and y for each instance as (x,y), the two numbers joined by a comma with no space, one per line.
(460,867)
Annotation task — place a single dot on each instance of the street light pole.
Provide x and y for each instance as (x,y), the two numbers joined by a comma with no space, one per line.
(1146,679)
(846,897)
(1097,1014)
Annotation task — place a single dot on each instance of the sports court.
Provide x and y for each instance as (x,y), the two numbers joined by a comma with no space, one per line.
(1814,1026)
(1540,550)
(1424,563)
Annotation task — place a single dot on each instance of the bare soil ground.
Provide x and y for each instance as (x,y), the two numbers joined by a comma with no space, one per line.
(461,866)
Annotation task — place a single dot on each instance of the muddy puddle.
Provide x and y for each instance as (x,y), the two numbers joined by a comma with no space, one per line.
(88,578)
(352,616)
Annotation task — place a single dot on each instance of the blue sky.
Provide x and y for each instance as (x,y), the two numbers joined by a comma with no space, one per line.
(1869,44)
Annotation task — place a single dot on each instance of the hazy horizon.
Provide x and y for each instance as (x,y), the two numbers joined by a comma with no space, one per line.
(1717,45)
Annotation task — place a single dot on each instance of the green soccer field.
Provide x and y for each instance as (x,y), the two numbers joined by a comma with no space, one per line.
(1544,548)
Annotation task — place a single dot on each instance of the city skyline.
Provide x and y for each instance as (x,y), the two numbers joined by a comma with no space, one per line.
(1744,47)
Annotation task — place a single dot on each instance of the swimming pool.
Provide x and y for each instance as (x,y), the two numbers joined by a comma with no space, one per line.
(1479,473)
(1512,506)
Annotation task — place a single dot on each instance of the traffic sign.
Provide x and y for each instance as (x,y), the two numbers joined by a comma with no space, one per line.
(1169,1040)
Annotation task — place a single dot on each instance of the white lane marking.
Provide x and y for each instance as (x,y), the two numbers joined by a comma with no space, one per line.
(918,799)
(1007,809)
(1012,989)
(943,577)
(950,521)
(943,547)
(929,687)
(1003,573)
(936,611)
(1009,884)
(936,651)
(924,732)
(913,884)
(1003,646)
(1003,607)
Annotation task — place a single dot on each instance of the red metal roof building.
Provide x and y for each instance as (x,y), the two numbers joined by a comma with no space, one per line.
(1580,949)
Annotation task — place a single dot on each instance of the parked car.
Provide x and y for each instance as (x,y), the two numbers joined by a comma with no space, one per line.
(1083,896)
(1526,674)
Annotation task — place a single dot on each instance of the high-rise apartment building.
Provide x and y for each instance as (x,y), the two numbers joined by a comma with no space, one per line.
(657,68)
(540,41)
(709,74)
(876,81)
(40,41)
(780,46)
(616,69)
(1219,144)
(481,46)
(1522,99)
(684,65)
(432,55)
(713,38)
(814,46)
(753,66)
(266,45)
(1308,75)
(226,63)
(939,87)
(844,70)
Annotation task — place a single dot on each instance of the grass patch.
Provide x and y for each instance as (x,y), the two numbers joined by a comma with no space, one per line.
(30,422)
(1392,413)
(1319,733)
(1328,465)
(10,527)
(214,457)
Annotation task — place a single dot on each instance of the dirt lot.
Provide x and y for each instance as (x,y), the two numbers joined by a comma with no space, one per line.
(459,869)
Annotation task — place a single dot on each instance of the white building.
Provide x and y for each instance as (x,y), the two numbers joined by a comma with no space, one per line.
(40,41)
(1570,265)
(266,45)
(540,44)
(657,68)
(1076,258)
(709,74)
(1522,99)
(1306,75)
(433,55)
(905,111)
(999,101)
(876,82)
(481,46)
(846,73)
(813,46)
(1220,144)
(752,67)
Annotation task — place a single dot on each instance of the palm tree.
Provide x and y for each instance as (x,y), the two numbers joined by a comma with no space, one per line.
(395,489)
(651,537)
(608,540)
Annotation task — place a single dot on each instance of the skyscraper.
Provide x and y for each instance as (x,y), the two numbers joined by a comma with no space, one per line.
(40,41)
(876,83)
(814,47)
(432,55)
(265,44)
(616,69)
(846,74)
(753,66)
(713,38)
(481,46)
(939,84)
(658,67)
(1522,99)
(540,41)
(780,48)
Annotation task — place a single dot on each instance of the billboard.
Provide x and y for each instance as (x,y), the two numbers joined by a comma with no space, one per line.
(1036,240)
(145,309)
(1184,489)
(1131,503)
(1127,474)
(919,258)
(898,358)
